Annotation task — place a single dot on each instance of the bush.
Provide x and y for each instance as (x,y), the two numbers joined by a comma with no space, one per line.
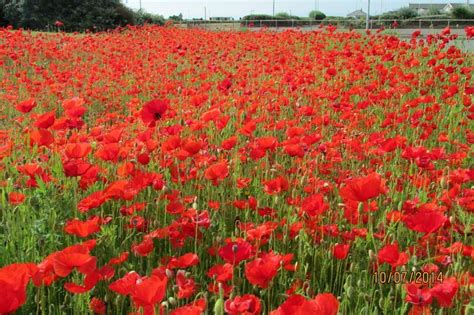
(77,15)
(143,17)
(3,21)
(259,17)
(401,14)
(317,15)
(283,20)
(463,13)
(176,17)
(10,12)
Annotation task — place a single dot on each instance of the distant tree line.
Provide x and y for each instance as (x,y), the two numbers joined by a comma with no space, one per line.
(71,15)
(463,12)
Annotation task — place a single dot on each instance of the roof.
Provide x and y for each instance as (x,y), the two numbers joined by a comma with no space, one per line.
(458,5)
(427,6)
(357,13)
(436,6)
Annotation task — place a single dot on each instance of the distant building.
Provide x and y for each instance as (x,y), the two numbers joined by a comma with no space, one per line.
(221,18)
(425,8)
(358,14)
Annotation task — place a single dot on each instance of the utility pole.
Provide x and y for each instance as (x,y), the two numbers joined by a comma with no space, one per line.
(205,14)
(368,16)
(273,7)
(140,3)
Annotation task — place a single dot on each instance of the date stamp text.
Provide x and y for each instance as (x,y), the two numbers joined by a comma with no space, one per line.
(417,277)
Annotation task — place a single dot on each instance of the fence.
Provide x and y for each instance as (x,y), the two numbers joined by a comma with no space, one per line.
(346,23)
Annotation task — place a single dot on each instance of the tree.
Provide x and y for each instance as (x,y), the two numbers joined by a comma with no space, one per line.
(434,11)
(77,15)
(400,14)
(144,17)
(283,15)
(176,17)
(317,15)
(463,13)
(406,13)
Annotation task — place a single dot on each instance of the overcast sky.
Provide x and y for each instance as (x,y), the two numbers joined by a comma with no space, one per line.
(234,8)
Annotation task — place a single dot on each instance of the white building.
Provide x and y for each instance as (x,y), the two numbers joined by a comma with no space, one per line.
(425,8)
(358,14)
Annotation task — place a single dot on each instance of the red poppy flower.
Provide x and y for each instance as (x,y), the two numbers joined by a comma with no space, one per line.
(340,251)
(109,152)
(314,205)
(74,108)
(46,120)
(185,261)
(247,304)
(235,252)
(77,150)
(363,188)
(92,201)
(425,221)
(175,207)
(26,106)
(97,306)
(126,284)
(144,248)
(186,286)
(149,291)
(275,186)
(41,137)
(262,270)
(75,168)
(217,172)
(326,303)
(90,281)
(322,304)
(16,198)
(229,143)
(221,273)
(75,257)
(153,111)
(418,296)
(389,254)
(445,291)
(13,282)
(119,260)
(198,307)
(81,228)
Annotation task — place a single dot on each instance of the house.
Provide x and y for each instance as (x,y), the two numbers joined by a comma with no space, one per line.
(358,14)
(426,8)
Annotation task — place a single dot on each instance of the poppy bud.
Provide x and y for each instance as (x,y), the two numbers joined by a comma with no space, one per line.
(172,301)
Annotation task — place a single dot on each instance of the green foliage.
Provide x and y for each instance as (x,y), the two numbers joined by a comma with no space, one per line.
(10,12)
(76,15)
(262,17)
(434,11)
(287,16)
(3,21)
(176,17)
(402,14)
(317,15)
(143,17)
(463,13)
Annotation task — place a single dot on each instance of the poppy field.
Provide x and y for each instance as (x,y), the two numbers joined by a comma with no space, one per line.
(157,170)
